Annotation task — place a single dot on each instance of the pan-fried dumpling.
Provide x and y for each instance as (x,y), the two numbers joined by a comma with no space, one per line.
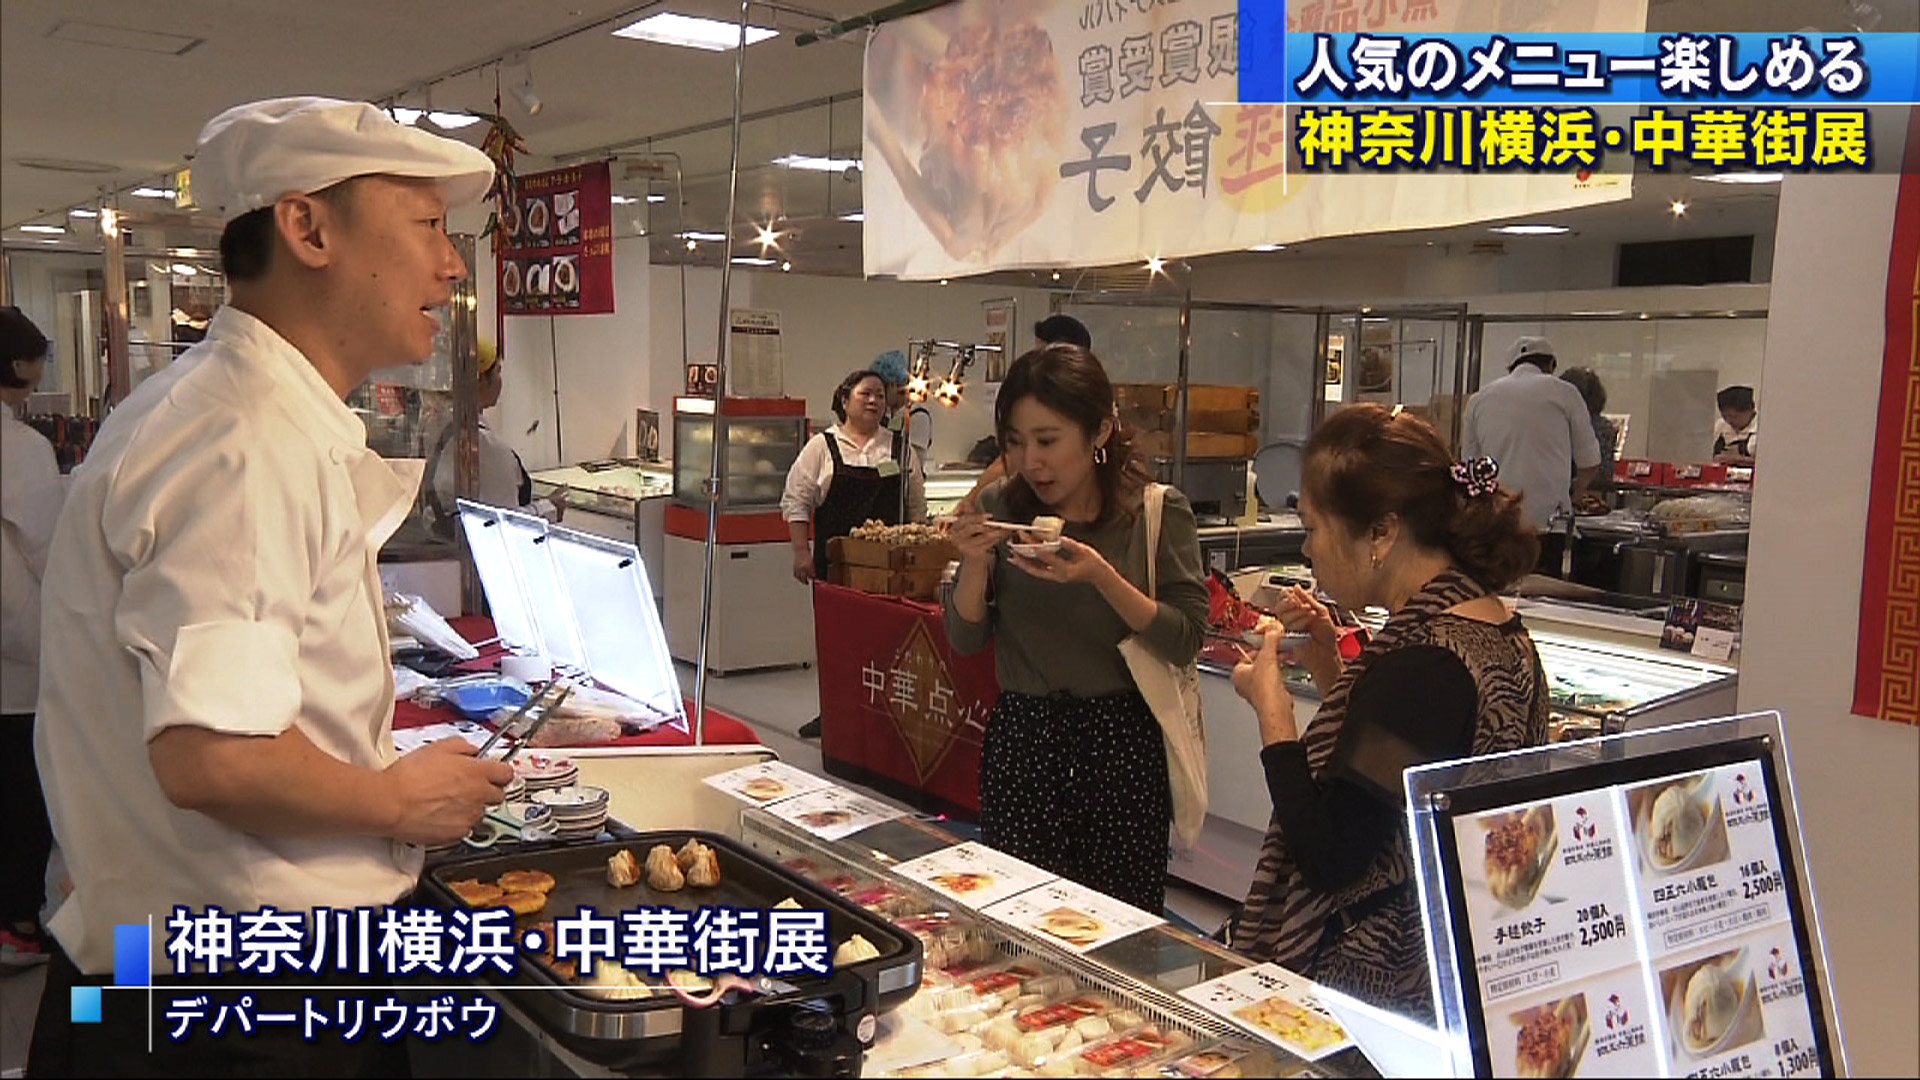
(663,871)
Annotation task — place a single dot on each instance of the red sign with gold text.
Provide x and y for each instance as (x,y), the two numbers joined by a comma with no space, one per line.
(557,256)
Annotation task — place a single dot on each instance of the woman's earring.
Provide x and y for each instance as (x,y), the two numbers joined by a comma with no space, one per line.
(1099,455)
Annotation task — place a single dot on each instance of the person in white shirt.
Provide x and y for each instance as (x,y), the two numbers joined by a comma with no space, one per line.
(1736,435)
(30,492)
(500,479)
(848,474)
(1537,428)
(216,697)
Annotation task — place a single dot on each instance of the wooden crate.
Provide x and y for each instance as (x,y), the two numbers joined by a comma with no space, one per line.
(913,584)
(1200,444)
(868,553)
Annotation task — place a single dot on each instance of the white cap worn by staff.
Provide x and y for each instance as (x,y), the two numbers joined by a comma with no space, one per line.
(217,698)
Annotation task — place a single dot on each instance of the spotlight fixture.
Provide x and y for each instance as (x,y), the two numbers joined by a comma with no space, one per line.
(1156,265)
(523,90)
(1678,207)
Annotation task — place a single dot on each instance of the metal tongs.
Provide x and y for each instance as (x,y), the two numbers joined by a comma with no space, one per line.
(541,706)
(726,984)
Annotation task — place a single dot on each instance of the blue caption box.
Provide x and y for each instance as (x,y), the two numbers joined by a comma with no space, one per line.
(132,955)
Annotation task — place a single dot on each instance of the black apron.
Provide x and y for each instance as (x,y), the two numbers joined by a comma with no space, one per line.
(857,493)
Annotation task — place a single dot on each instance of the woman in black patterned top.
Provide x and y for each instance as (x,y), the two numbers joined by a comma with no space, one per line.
(1392,521)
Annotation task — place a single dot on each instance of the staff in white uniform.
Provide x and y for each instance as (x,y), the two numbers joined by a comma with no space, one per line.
(30,491)
(216,699)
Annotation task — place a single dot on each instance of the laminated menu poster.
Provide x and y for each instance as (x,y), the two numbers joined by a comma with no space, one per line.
(833,812)
(973,874)
(1705,862)
(1737,1008)
(766,782)
(1276,1005)
(1072,915)
(556,248)
(1547,899)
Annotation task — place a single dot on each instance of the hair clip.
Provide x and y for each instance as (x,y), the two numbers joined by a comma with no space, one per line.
(1481,476)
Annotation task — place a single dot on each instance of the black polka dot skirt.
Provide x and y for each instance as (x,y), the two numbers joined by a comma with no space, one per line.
(1078,786)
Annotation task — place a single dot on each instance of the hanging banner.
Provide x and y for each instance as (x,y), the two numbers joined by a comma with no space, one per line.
(1887,674)
(1012,134)
(557,258)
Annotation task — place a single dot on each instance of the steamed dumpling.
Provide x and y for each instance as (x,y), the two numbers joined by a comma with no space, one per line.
(1712,1002)
(853,950)
(1677,824)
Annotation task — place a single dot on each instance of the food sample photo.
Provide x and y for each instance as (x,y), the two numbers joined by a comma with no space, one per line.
(1678,824)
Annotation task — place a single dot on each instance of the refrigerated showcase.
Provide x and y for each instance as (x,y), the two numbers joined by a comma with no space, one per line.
(1601,688)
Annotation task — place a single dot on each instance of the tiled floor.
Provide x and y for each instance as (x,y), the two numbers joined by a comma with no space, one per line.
(774,703)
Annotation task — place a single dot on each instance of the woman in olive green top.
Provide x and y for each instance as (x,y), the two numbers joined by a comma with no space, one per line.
(1073,772)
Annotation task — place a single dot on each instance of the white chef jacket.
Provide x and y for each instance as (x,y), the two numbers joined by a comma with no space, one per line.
(1537,427)
(812,473)
(1726,433)
(30,492)
(215,566)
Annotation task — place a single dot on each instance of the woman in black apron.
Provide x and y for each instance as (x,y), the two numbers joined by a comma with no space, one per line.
(851,473)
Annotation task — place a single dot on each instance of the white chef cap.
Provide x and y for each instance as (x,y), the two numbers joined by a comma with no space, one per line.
(251,155)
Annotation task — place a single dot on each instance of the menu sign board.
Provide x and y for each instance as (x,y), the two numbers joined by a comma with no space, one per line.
(556,255)
(1645,926)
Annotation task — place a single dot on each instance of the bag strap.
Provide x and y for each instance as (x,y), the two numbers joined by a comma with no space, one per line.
(1154,497)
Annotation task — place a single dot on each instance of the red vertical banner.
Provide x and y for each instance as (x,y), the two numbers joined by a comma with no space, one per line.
(557,258)
(1887,674)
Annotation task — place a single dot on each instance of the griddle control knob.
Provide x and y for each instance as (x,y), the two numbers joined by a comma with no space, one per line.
(812,1029)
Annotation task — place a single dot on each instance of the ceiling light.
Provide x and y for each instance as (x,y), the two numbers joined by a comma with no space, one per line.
(1156,265)
(522,92)
(622,200)
(857,215)
(752,260)
(691,31)
(656,198)
(1268,247)
(818,164)
(1056,275)
(406,116)
(692,244)
(1677,207)
(48,240)
(191,253)
(692,234)
(152,193)
(452,121)
(1744,178)
(184,270)
(943,281)
(1531,230)
(54,229)
(786,267)
(81,212)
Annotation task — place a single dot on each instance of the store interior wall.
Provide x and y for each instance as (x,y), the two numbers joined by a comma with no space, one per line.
(1857,780)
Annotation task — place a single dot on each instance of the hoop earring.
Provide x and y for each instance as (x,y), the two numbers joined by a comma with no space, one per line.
(1099,455)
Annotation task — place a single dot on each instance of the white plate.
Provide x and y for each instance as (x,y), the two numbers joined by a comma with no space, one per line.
(559,799)
(1035,550)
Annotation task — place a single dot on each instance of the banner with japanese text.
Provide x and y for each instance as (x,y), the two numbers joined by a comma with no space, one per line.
(557,258)
(1013,134)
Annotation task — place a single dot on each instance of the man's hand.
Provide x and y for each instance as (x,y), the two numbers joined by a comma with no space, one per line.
(442,790)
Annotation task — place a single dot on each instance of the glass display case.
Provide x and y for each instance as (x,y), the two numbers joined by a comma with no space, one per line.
(977,968)
(758,439)
(946,487)
(613,487)
(1602,689)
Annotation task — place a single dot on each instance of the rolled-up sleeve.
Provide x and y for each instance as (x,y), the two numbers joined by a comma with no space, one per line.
(1180,623)
(218,581)
(802,495)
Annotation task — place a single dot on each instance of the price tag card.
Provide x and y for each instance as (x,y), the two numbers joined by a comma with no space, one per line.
(1705,862)
(1276,1005)
(1072,915)
(1546,893)
(1208,1061)
(974,874)
(1737,1008)
(407,740)
(1601,1025)
(766,782)
(833,813)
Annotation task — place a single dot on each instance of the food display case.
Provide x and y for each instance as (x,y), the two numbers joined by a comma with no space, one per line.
(999,1000)
(758,439)
(621,499)
(946,487)
(1602,689)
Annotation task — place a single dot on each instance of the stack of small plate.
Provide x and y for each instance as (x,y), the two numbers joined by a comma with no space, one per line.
(516,789)
(541,772)
(578,813)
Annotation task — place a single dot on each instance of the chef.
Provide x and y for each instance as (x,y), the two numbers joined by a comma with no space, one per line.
(216,700)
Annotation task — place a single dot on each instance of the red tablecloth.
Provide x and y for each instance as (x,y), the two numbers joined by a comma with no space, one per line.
(721,728)
(900,711)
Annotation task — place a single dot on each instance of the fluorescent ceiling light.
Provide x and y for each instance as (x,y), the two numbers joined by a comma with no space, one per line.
(1744,178)
(184,270)
(694,235)
(407,116)
(54,229)
(153,193)
(819,164)
(857,215)
(452,121)
(622,200)
(83,213)
(1268,247)
(1530,230)
(692,31)
(190,252)
(753,260)
(656,198)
